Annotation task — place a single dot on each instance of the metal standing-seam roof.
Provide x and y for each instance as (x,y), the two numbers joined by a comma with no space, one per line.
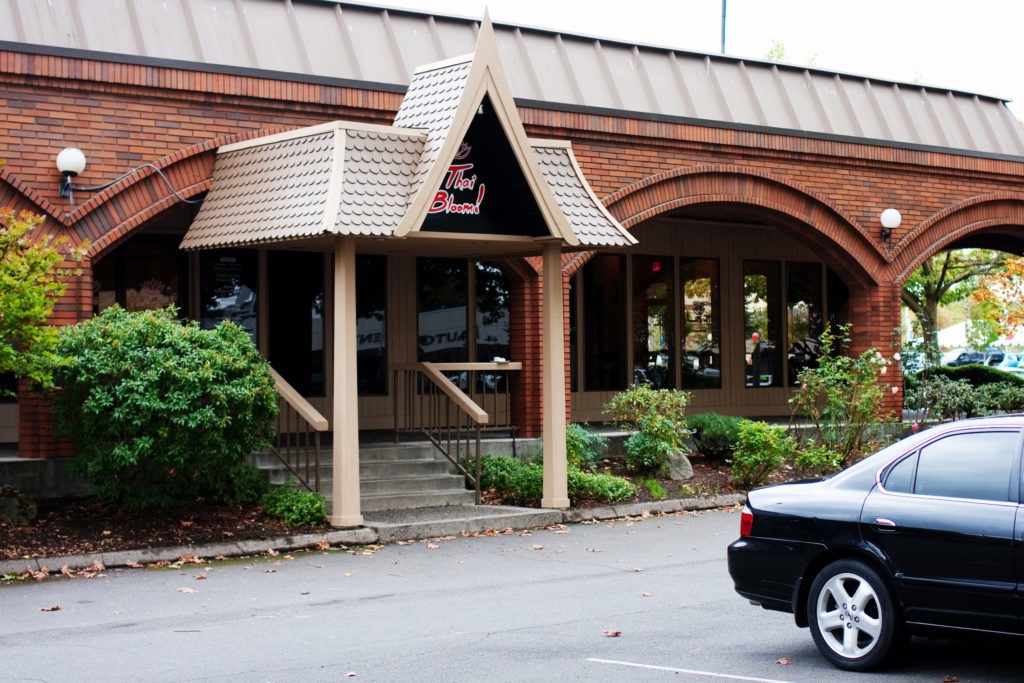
(377,47)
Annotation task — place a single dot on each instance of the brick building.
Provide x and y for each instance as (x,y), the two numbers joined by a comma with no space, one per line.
(753,192)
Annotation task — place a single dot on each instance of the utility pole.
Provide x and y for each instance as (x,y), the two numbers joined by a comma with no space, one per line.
(723,26)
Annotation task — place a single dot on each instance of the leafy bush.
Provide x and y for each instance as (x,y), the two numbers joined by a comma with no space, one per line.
(294,506)
(819,458)
(940,398)
(583,445)
(713,435)
(659,418)
(1000,397)
(600,486)
(518,482)
(841,396)
(162,412)
(975,375)
(761,449)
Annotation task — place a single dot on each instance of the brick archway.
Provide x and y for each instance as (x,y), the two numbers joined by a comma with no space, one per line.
(977,215)
(839,236)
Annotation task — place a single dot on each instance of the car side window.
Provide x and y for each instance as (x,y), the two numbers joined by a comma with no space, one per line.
(899,478)
(973,465)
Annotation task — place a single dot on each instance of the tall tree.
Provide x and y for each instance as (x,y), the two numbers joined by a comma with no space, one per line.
(946,278)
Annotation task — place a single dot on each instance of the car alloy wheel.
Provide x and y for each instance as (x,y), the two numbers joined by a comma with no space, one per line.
(850,610)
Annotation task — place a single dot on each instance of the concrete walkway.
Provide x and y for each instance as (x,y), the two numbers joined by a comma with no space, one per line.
(379,527)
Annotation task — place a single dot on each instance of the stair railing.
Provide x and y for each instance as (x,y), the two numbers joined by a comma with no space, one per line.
(297,442)
(443,402)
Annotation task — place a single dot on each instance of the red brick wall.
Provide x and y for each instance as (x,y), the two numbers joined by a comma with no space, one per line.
(828,192)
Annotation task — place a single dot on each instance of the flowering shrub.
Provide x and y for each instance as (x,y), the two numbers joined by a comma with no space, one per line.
(841,397)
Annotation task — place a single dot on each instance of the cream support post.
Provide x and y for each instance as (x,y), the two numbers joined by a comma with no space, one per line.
(556,484)
(345,417)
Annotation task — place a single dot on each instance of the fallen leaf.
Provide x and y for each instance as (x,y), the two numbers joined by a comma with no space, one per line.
(950,679)
(200,577)
(612,634)
(270,571)
(593,550)
(107,532)
(351,674)
(323,545)
(228,533)
(537,547)
(133,564)
(783,661)
(319,566)
(645,595)
(432,546)
(51,608)
(186,589)
(272,552)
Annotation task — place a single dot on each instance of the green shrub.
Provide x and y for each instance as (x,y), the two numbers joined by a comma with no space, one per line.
(760,450)
(162,412)
(819,458)
(659,418)
(523,483)
(296,507)
(604,487)
(976,375)
(583,445)
(939,398)
(713,435)
(655,488)
(1000,397)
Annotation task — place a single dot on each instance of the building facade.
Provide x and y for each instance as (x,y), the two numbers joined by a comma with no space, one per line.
(751,192)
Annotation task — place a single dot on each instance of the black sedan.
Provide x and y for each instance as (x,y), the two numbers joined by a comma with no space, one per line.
(924,537)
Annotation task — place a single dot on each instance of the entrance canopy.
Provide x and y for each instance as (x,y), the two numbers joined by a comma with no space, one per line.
(455,175)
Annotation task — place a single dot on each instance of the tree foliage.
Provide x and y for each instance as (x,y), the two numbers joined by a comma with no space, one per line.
(944,279)
(30,284)
(163,412)
(1002,293)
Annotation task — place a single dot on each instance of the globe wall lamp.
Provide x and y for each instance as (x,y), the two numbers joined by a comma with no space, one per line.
(71,162)
(891,220)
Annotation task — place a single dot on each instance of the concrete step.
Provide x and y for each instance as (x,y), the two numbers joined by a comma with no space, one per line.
(404,485)
(378,502)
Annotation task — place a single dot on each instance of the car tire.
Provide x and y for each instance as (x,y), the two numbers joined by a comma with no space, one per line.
(852,616)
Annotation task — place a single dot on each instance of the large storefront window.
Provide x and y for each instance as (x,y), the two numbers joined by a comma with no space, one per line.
(442,332)
(492,316)
(604,320)
(371,324)
(295,333)
(653,322)
(762,300)
(701,324)
(145,272)
(228,282)
(805,321)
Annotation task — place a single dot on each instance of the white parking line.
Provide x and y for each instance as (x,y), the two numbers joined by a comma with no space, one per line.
(711,674)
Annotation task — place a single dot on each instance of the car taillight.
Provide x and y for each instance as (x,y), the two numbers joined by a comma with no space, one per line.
(746,521)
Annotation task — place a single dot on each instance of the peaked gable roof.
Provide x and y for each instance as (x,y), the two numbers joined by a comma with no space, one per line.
(372,181)
(443,99)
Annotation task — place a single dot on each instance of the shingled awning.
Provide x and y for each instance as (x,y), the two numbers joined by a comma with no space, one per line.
(380,184)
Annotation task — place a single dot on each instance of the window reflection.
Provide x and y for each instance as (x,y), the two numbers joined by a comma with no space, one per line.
(604,318)
(228,282)
(653,322)
(805,323)
(761,301)
(701,324)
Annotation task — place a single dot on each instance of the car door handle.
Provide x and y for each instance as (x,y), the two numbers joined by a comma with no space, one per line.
(885,524)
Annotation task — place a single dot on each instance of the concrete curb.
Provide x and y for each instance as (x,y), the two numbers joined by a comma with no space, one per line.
(409,529)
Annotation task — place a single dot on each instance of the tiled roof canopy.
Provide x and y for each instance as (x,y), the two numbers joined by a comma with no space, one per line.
(374,47)
(357,180)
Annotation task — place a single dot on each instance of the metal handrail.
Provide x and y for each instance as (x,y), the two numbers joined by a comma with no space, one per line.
(432,399)
(297,442)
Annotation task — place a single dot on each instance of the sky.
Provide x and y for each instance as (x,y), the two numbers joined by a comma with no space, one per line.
(973,46)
